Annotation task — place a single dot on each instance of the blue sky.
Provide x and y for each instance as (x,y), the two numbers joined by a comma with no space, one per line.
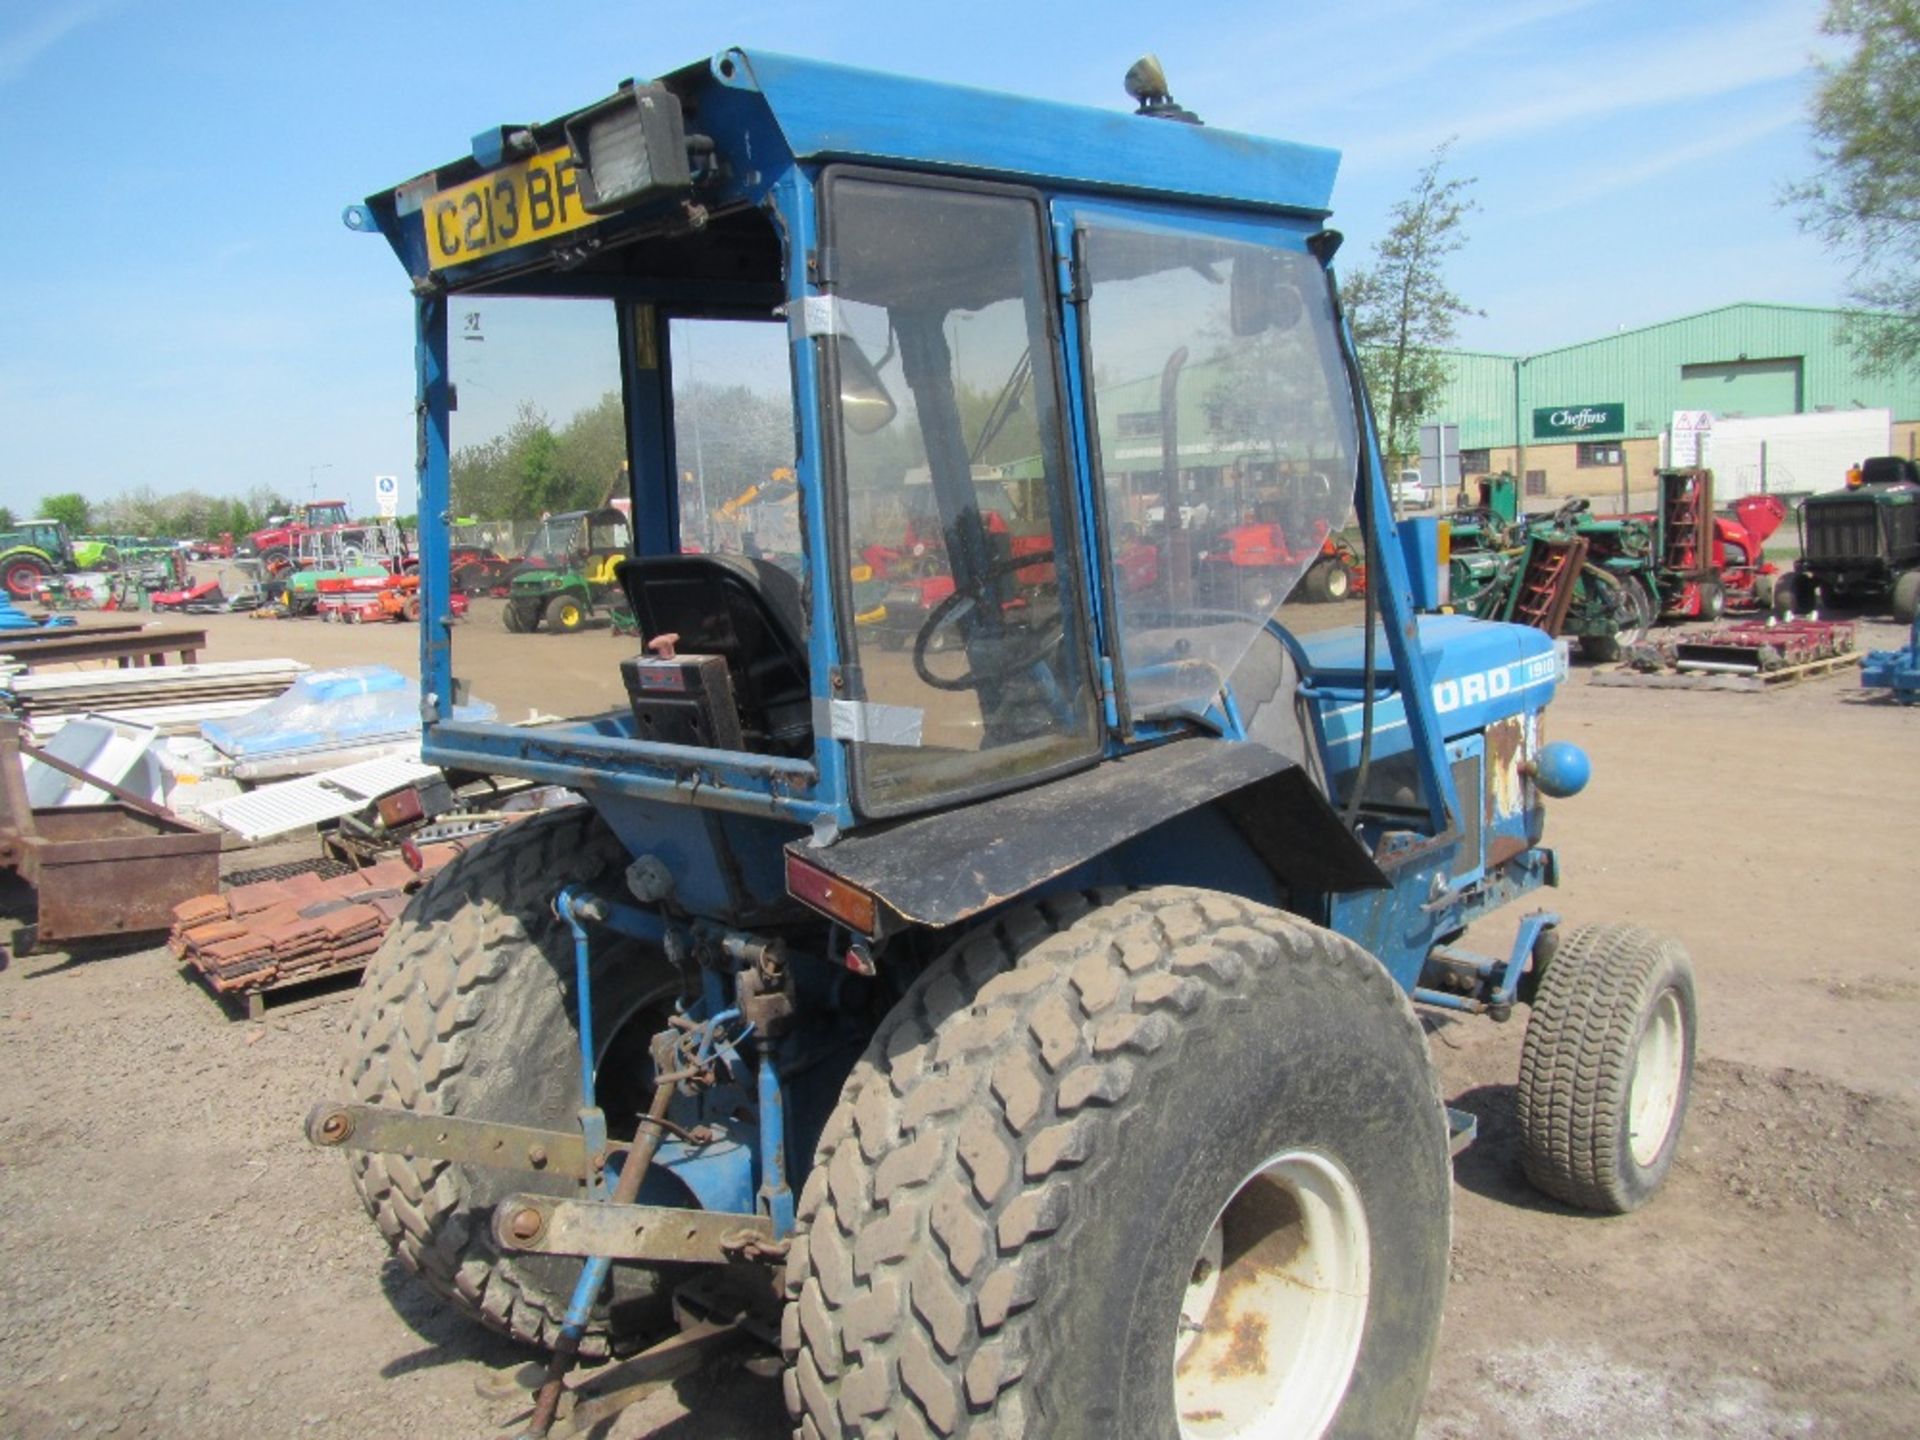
(182,306)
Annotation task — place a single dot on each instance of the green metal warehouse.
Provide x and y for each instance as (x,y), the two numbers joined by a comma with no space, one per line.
(1772,391)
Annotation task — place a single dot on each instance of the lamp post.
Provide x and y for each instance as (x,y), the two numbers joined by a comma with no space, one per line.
(313,488)
(1519,435)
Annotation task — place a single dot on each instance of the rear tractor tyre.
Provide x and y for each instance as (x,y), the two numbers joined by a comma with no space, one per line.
(1906,597)
(25,575)
(566,615)
(467,1010)
(1606,1067)
(1173,1165)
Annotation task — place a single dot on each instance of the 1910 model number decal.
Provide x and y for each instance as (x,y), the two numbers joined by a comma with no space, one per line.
(518,205)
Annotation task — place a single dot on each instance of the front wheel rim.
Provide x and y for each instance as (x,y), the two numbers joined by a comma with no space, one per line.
(1658,1064)
(1273,1314)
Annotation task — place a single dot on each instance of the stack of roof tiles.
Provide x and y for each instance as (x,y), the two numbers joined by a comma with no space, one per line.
(278,931)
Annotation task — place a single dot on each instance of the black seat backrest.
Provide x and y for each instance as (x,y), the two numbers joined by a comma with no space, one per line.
(752,614)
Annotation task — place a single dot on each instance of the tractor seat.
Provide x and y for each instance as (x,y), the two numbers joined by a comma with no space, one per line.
(749,612)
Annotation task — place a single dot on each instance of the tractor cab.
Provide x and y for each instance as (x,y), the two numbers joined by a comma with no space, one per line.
(1051,445)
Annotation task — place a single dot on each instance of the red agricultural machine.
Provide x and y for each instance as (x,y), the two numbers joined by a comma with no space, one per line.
(356,600)
(1240,562)
(276,546)
(1709,563)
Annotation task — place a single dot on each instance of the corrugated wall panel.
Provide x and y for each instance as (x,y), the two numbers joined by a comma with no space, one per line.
(1642,369)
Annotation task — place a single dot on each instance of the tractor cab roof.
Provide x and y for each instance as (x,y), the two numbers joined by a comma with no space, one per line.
(749,117)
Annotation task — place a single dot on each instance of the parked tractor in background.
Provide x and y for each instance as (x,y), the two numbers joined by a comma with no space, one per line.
(570,572)
(1859,545)
(32,554)
(1026,1047)
(277,546)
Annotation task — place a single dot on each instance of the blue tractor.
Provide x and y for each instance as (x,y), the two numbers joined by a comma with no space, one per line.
(1019,1027)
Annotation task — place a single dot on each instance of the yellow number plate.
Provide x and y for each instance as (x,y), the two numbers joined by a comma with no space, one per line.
(533,200)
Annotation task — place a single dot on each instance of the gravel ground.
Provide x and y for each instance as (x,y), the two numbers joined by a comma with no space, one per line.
(176,1260)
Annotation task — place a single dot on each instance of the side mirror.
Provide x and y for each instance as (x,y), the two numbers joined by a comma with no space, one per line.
(864,401)
(1261,297)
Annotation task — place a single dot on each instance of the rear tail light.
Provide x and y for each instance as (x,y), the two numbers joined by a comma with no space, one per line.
(857,909)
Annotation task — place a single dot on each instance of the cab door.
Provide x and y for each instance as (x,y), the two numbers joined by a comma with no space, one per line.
(1219,431)
(951,477)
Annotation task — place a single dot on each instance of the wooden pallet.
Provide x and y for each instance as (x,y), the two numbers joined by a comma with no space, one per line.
(304,991)
(1719,680)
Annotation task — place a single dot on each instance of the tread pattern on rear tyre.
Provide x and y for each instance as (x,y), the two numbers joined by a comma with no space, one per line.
(942,1193)
(408,1032)
(1576,1062)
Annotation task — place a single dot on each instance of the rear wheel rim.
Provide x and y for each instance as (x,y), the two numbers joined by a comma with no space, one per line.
(1659,1062)
(1272,1317)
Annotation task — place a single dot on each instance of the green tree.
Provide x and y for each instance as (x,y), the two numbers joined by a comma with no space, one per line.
(1402,310)
(1865,199)
(7,520)
(71,509)
(593,448)
(541,483)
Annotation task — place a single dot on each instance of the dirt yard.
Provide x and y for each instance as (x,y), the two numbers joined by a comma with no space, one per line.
(176,1260)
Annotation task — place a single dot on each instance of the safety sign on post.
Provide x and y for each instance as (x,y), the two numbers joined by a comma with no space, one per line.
(386,490)
(1690,438)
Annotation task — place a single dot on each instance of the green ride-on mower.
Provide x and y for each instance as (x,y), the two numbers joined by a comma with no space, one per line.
(569,572)
(1564,572)
(1022,1032)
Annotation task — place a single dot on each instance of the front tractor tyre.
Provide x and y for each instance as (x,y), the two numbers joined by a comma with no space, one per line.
(1606,1067)
(520,616)
(467,1010)
(1172,1165)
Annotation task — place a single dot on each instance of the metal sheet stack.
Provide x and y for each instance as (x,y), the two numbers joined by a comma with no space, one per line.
(174,699)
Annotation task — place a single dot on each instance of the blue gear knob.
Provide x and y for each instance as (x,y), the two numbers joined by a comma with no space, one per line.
(1560,769)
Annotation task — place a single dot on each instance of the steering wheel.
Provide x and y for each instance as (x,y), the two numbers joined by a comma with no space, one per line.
(1044,643)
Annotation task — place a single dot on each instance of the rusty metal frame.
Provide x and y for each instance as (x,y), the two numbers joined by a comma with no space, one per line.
(449,1138)
(657,1234)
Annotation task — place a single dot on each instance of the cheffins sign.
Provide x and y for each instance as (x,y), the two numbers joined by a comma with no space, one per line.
(1557,421)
